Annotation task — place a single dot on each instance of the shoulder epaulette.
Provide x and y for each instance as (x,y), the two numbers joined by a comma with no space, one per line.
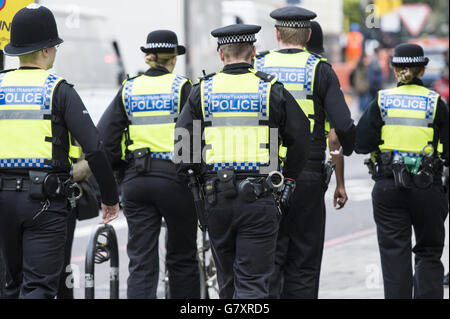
(128,78)
(265,76)
(263,53)
(206,76)
(4,71)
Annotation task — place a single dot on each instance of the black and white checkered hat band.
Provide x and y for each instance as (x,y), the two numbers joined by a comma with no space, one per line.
(236,39)
(160,46)
(293,24)
(408,60)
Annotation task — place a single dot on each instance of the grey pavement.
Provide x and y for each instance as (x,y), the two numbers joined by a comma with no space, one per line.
(351,268)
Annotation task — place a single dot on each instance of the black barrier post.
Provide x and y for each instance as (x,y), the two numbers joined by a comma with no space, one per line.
(99,252)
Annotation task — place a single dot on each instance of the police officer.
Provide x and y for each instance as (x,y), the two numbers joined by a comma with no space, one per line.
(315,86)
(40,113)
(242,113)
(403,130)
(138,130)
(315,46)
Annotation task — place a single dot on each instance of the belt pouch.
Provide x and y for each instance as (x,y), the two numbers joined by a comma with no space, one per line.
(227,179)
(37,185)
(142,160)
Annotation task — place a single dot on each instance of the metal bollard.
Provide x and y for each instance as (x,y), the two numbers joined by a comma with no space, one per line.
(99,252)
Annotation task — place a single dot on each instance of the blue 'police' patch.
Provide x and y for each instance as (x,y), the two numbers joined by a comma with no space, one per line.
(21,95)
(152,102)
(287,75)
(235,102)
(408,102)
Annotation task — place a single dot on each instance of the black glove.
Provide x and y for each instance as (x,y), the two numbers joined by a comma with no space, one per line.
(287,191)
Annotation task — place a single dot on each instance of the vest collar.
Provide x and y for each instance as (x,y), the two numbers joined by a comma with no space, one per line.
(415,81)
(237,68)
(159,70)
(290,50)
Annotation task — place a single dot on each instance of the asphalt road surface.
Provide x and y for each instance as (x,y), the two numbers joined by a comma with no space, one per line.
(344,227)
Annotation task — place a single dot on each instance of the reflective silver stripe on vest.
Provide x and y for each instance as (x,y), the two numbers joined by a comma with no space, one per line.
(150,120)
(406,121)
(299,94)
(23,114)
(235,121)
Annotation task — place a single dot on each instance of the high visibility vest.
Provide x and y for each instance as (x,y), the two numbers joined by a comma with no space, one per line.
(297,72)
(26,139)
(236,112)
(152,105)
(408,113)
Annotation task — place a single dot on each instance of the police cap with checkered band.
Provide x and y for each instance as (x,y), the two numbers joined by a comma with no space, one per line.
(163,41)
(293,17)
(236,33)
(407,55)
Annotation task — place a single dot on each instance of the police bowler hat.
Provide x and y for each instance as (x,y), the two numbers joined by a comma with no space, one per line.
(33,28)
(163,41)
(407,55)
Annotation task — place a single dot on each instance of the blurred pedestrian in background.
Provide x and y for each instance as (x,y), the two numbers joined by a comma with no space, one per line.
(359,80)
(375,74)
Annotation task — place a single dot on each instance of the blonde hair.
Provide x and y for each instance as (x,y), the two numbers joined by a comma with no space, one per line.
(407,74)
(294,35)
(159,59)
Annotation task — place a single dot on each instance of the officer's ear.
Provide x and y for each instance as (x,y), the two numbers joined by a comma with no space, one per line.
(222,56)
(309,35)
(253,52)
(277,33)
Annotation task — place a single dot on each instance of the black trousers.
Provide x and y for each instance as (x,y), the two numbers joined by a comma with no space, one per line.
(396,213)
(146,199)
(243,240)
(65,288)
(32,250)
(300,241)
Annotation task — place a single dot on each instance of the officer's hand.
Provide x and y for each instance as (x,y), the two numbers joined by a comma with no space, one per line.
(340,197)
(109,213)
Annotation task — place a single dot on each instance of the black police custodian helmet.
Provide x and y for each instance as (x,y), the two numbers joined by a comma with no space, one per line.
(163,41)
(408,55)
(33,28)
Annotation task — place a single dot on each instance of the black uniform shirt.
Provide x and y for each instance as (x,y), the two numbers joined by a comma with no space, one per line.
(284,114)
(368,131)
(114,121)
(69,108)
(329,98)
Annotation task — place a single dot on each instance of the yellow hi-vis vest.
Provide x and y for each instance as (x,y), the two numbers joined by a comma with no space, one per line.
(152,104)
(26,139)
(297,72)
(408,112)
(236,112)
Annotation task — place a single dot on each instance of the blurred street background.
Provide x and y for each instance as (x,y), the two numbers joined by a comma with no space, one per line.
(102,41)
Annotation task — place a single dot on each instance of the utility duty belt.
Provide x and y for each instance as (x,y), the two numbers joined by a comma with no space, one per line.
(249,189)
(42,185)
(408,172)
(141,160)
